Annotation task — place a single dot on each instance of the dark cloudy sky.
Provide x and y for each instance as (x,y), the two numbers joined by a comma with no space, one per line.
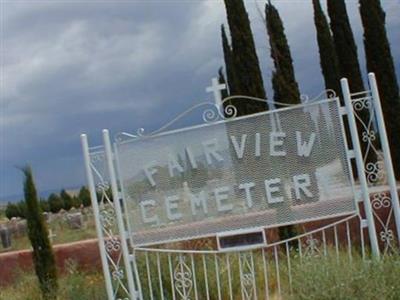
(69,67)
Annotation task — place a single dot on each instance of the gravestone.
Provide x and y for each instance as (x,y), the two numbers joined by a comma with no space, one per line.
(5,236)
(46,216)
(75,220)
(22,228)
(52,235)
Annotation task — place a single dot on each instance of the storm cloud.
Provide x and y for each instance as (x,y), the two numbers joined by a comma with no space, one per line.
(73,67)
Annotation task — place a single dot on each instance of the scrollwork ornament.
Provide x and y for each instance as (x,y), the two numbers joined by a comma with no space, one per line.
(362,103)
(387,236)
(97,157)
(112,244)
(211,115)
(375,172)
(312,247)
(107,217)
(230,111)
(103,186)
(368,136)
(329,93)
(380,200)
(247,275)
(118,274)
(183,279)
(140,132)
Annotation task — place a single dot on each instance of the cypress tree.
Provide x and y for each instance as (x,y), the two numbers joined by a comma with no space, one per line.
(345,45)
(229,63)
(43,257)
(221,80)
(284,82)
(327,53)
(380,61)
(349,66)
(247,68)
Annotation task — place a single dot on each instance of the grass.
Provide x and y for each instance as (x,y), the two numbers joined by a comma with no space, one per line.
(74,285)
(312,278)
(63,234)
(329,277)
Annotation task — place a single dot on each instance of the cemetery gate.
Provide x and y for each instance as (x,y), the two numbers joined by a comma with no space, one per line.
(193,213)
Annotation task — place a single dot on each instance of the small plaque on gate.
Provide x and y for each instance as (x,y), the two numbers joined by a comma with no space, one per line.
(264,170)
(241,240)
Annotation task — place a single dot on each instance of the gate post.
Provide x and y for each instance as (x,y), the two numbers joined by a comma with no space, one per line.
(386,150)
(121,228)
(360,168)
(96,213)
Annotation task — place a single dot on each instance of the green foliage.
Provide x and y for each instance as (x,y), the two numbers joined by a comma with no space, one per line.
(55,203)
(345,44)
(247,70)
(380,61)
(84,196)
(284,82)
(44,205)
(43,257)
(12,211)
(74,285)
(317,277)
(66,200)
(336,279)
(349,66)
(76,202)
(327,53)
(229,63)
(22,209)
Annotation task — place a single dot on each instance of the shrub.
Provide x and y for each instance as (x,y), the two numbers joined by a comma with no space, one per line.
(66,200)
(55,203)
(84,196)
(11,211)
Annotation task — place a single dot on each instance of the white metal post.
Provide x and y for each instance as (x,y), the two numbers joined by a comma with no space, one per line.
(360,167)
(386,151)
(95,205)
(125,207)
(121,228)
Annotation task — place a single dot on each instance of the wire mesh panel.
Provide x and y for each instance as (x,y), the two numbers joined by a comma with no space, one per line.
(268,169)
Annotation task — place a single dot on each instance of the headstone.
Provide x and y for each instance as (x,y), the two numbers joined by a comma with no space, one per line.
(12,225)
(52,235)
(75,220)
(46,216)
(22,228)
(5,236)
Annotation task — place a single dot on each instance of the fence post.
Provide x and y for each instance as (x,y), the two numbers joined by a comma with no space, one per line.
(121,228)
(360,168)
(386,150)
(96,213)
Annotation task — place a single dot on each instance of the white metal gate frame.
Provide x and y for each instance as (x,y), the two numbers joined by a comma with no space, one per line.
(120,267)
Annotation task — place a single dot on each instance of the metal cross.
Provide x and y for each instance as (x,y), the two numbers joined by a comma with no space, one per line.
(216,89)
